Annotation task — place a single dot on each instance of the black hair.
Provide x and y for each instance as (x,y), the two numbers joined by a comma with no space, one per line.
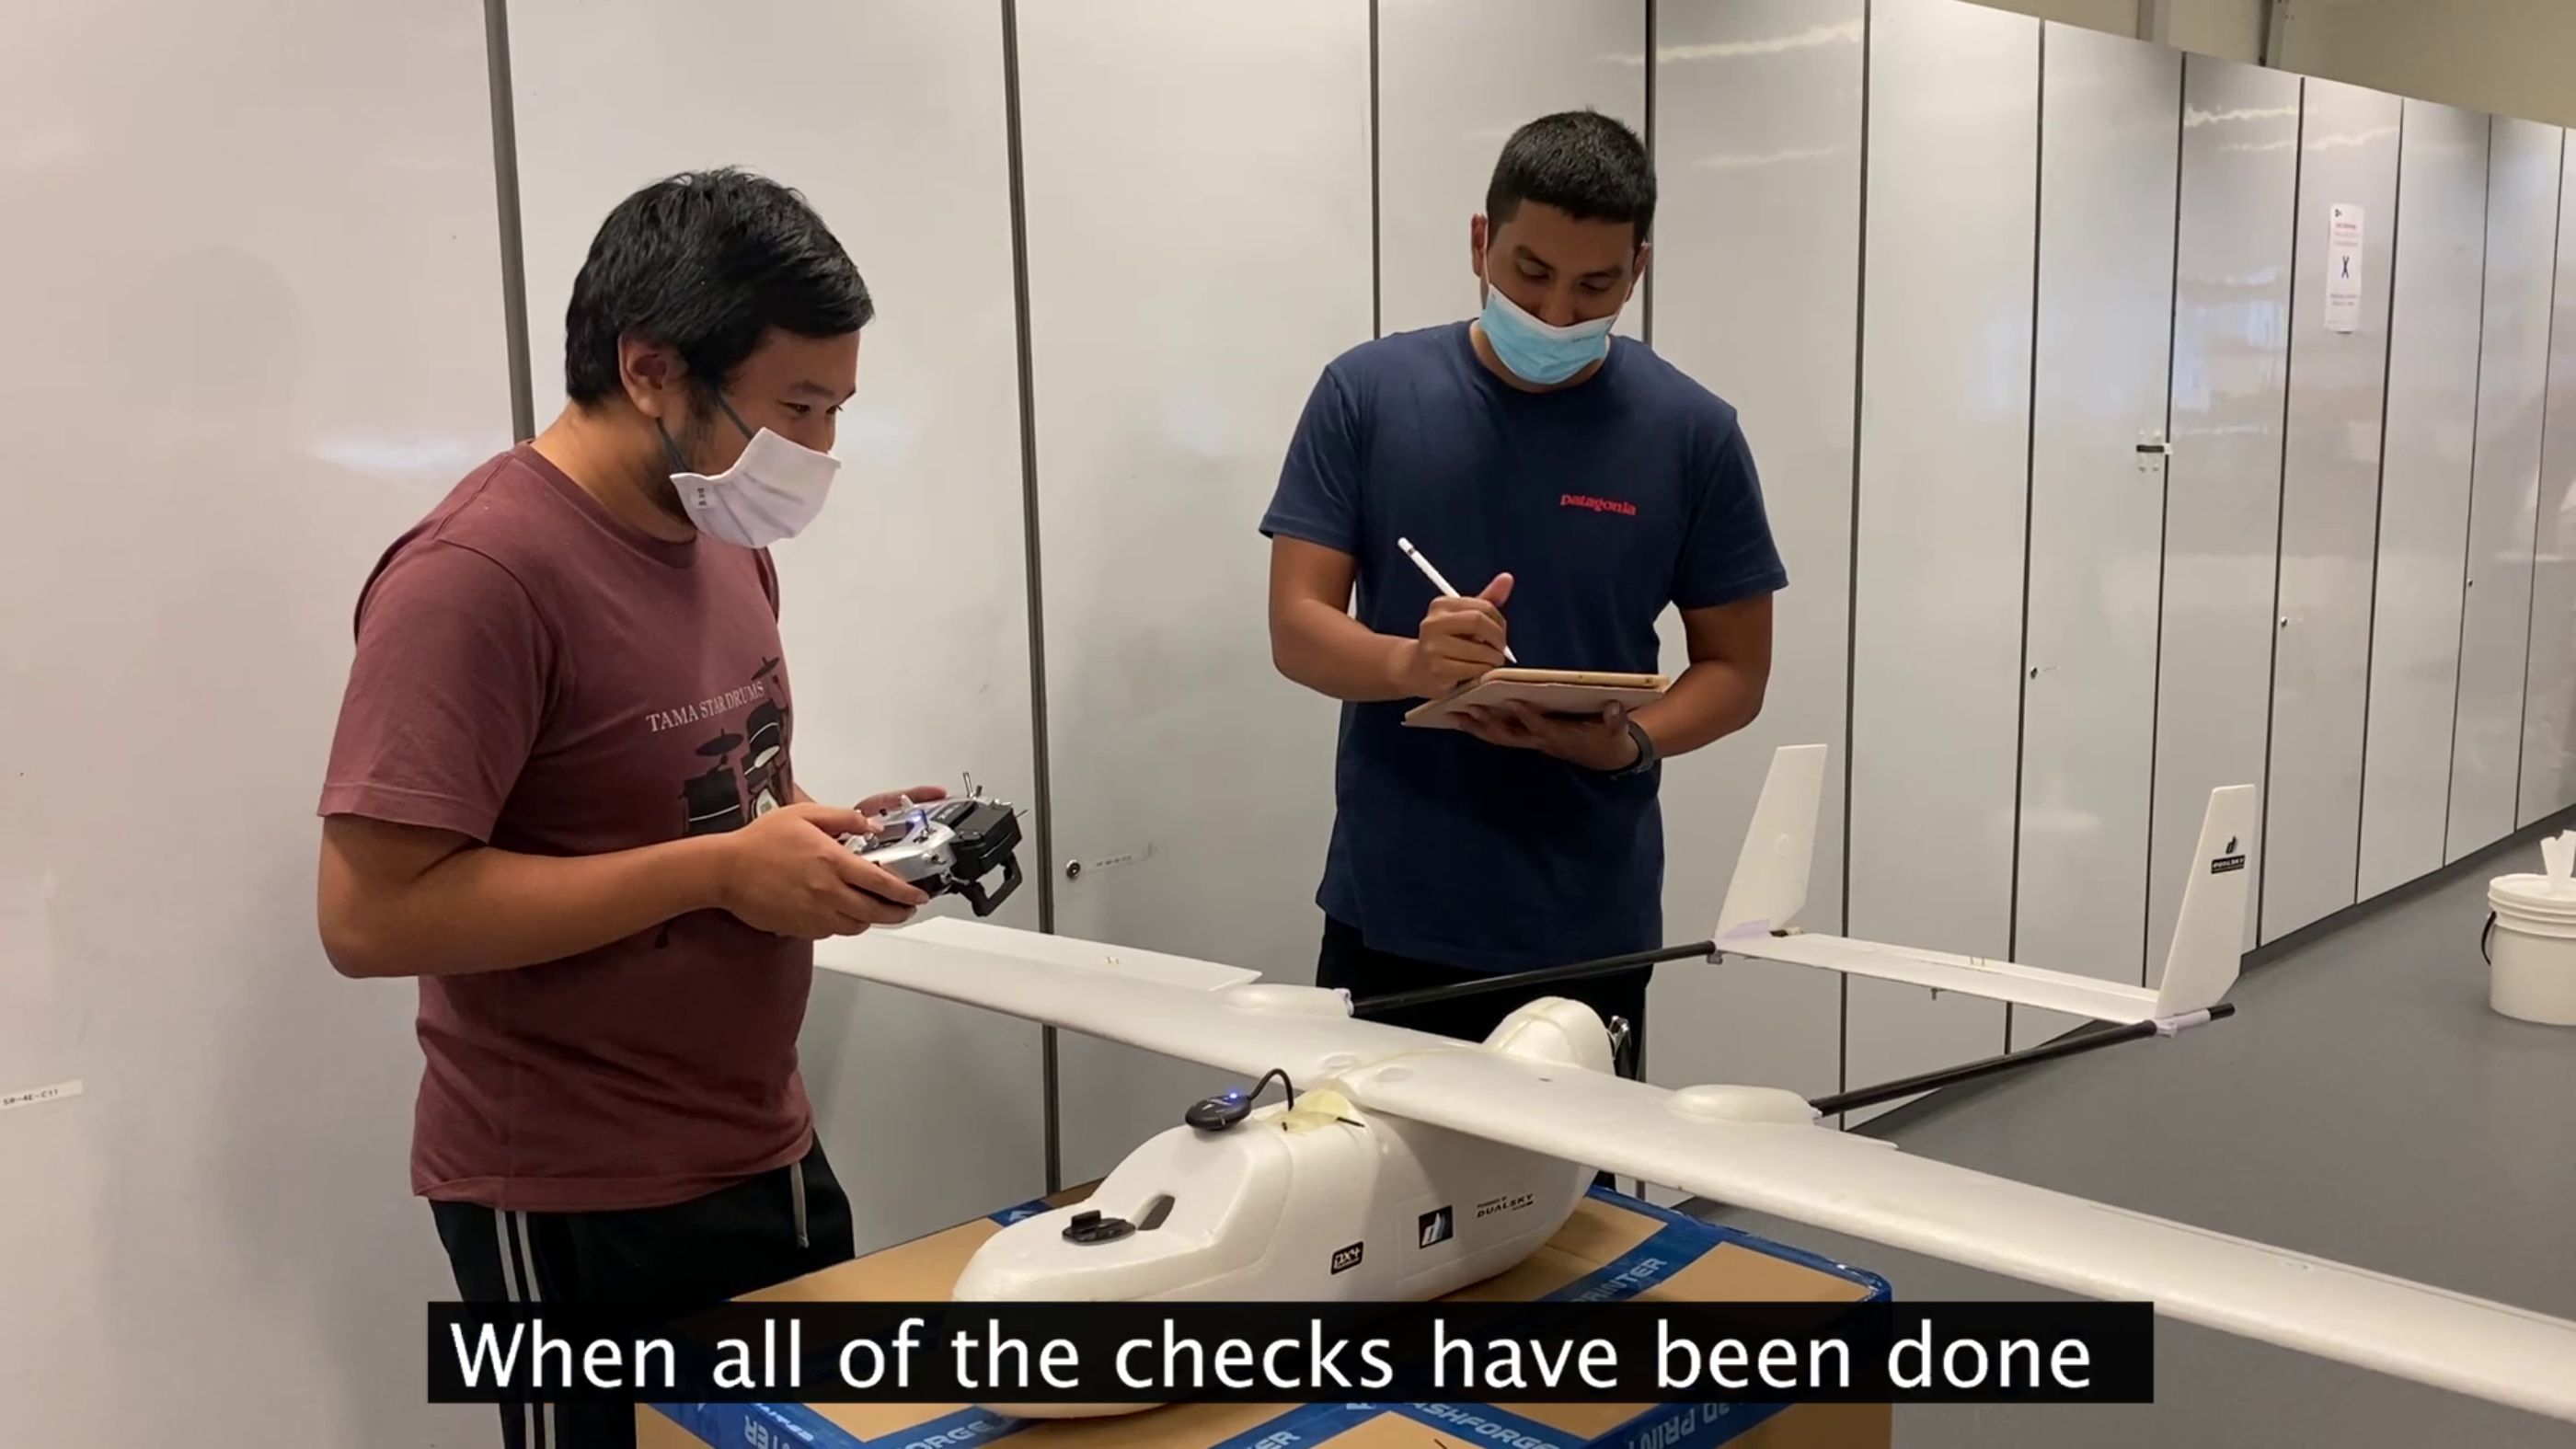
(706,263)
(1583,163)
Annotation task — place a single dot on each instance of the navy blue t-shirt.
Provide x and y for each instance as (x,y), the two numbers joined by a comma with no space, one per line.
(1607,502)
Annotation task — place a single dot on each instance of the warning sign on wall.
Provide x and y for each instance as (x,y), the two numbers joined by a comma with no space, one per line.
(2343,268)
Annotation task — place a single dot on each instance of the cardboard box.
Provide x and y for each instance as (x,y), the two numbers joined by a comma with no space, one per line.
(1613,1248)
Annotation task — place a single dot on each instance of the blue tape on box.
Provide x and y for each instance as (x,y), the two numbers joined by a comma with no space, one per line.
(794,1426)
(1690,1426)
(1682,1241)
(1010,1215)
(1669,1426)
(1677,1242)
(1478,1423)
(759,1426)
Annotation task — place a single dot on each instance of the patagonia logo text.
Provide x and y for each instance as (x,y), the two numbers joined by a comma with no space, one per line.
(1597,505)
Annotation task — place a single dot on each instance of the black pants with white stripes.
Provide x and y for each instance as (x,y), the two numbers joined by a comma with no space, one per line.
(760,1232)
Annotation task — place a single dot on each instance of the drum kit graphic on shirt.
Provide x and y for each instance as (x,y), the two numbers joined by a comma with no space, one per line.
(720,800)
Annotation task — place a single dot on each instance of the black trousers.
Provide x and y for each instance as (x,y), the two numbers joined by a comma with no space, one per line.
(696,1254)
(1349,963)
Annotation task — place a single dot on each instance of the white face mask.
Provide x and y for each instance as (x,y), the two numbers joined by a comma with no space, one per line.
(1535,351)
(770,493)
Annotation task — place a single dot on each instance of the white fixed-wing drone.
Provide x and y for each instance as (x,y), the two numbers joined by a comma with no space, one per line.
(1408,1165)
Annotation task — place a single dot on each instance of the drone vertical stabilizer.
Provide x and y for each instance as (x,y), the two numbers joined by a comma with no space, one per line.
(1770,888)
(2209,934)
(1770,885)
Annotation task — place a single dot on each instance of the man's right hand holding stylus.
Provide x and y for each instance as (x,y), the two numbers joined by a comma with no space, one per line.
(1460,639)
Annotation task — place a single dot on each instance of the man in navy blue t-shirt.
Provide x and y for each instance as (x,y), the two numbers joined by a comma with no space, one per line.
(1594,485)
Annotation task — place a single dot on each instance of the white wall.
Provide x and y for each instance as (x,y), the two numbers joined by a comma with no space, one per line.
(2111,121)
(2549,686)
(1758,160)
(2431,429)
(2231,360)
(2329,512)
(255,307)
(2513,380)
(1187,282)
(1455,79)
(1944,500)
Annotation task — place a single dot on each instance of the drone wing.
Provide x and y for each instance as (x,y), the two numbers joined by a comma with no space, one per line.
(917,955)
(1199,1011)
(1853,1185)
(1770,889)
(1698,1141)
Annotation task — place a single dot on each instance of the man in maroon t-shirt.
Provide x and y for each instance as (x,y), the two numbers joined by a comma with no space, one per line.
(561,793)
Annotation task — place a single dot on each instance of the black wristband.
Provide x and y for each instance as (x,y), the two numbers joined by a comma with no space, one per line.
(1646,755)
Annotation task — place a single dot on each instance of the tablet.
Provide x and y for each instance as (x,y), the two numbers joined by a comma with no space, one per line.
(1550,691)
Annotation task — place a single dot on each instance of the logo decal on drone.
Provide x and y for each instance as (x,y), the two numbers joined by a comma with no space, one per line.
(2229,859)
(1345,1259)
(1435,1227)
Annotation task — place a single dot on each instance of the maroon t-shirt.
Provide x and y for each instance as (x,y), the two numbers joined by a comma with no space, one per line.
(535,674)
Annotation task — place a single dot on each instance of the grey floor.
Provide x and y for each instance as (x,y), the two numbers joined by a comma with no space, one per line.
(2363,1105)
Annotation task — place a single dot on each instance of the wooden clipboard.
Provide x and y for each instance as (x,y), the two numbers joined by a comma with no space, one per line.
(1550,691)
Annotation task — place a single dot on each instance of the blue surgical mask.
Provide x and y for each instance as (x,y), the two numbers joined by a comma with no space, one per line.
(1537,353)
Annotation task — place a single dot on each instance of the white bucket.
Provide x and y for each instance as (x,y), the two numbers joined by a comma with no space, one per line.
(2533,975)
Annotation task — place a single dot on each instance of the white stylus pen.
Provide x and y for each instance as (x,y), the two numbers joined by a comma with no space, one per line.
(1440,583)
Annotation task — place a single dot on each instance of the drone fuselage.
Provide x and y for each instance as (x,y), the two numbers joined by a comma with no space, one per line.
(1311,1201)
